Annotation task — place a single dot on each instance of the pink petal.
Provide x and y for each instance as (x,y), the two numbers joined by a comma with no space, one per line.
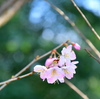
(72,55)
(62,61)
(39,68)
(51,80)
(69,48)
(64,51)
(70,69)
(69,75)
(75,62)
(43,75)
(61,79)
(68,61)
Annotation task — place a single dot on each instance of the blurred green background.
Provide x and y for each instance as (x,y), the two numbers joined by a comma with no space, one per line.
(36,29)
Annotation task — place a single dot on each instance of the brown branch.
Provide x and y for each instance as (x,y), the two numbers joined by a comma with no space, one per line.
(31,63)
(16,78)
(86,20)
(66,81)
(76,28)
(76,89)
(9,9)
(97,59)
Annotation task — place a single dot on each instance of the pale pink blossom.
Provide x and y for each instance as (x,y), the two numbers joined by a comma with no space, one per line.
(42,70)
(54,74)
(76,46)
(68,71)
(67,55)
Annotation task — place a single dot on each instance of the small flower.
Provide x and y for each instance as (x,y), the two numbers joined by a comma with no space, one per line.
(76,46)
(51,62)
(42,70)
(67,55)
(68,71)
(54,74)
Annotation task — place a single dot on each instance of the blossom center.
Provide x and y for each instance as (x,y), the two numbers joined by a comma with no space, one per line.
(66,55)
(65,71)
(54,72)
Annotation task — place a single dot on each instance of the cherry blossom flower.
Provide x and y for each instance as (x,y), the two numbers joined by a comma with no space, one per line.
(76,46)
(69,71)
(67,55)
(42,70)
(54,74)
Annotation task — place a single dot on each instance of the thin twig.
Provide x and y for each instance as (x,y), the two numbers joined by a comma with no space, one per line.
(86,20)
(32,62)
(36,59)
(76,89)
(97,59)
(16,78)
(76,28)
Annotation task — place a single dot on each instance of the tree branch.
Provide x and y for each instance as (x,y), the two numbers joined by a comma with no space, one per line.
(16,78)
(86,20)
(76,89)
(76,28)
(32,62)
(97,59)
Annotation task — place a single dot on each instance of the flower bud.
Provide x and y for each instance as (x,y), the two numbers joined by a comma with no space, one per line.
(76,46)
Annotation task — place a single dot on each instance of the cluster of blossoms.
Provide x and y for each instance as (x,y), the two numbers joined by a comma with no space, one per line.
(56,68)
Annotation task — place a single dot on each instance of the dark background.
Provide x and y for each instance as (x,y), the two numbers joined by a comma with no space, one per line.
(36,29)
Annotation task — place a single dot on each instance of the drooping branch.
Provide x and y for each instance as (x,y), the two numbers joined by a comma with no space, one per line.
(76,28)
(86,20)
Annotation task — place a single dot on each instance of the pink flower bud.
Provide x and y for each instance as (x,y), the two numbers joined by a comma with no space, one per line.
(49,62)
(76,46)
